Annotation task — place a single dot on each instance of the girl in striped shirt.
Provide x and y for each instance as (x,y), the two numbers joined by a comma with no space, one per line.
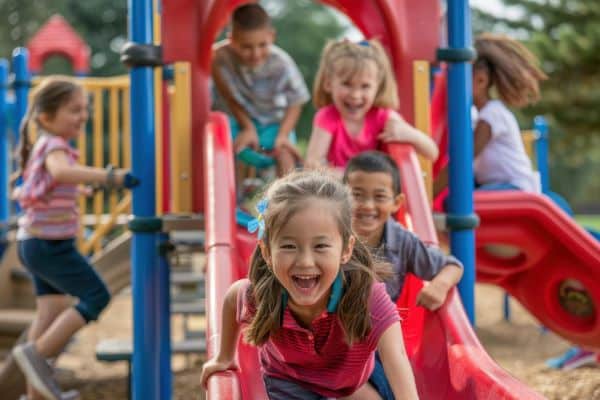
(312,303)
(48,227)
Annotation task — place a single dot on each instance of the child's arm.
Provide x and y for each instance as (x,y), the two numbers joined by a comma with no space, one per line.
(434,293)
(318,147)
(247,137)
(398,130)
(395,363)
(58,165)
(230,331)
(288,123)
(482,136)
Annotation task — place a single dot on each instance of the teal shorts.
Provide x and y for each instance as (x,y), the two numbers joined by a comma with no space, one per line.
(266,133)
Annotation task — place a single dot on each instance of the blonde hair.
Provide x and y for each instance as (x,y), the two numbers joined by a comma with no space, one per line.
(286,196)
(512,68)
(345,58)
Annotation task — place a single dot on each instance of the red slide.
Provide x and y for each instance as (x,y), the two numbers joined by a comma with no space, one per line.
(537,253)
(448,360)
(532,249)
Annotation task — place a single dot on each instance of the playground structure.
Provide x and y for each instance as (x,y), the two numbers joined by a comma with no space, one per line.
(440,344)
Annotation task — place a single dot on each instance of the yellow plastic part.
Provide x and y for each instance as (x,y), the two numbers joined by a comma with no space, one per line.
(529,138)
(181,138)
(422,113)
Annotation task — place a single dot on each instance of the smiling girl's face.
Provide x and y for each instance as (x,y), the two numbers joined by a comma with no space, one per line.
(306,255)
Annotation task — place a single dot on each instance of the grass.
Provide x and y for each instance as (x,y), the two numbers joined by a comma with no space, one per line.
(589,221)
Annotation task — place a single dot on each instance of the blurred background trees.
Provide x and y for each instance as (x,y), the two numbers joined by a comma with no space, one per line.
(565,36)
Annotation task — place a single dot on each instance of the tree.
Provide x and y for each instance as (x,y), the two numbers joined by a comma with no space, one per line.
(565,36)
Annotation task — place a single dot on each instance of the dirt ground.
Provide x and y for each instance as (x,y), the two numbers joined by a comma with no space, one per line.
(519,346)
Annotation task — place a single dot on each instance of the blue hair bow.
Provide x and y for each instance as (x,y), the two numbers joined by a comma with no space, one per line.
(258,223)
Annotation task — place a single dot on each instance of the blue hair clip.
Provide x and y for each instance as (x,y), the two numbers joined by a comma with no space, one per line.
(364,43)
(258,223)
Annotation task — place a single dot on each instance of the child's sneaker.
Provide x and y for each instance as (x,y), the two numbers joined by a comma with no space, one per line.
(37,371)
(573,358)
(583,357)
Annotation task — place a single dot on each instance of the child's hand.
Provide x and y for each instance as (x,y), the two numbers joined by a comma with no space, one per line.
(247,137)
(85,190)
(396,131)
(14,195)
(213,366)
(124,178)
(433,295)
(282,143)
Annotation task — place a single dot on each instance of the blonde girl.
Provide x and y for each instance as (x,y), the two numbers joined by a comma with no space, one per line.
(48,226)
(356,96)
(312,303)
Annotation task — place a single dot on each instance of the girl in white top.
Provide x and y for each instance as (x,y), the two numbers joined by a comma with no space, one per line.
(500,160)
(500,157)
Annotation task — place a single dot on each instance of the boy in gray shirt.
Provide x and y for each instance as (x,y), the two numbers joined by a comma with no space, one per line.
(374,181)
(259,86)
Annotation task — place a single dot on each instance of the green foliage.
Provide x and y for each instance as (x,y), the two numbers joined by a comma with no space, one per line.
(565,35)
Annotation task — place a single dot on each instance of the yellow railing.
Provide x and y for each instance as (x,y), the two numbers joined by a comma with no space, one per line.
(110,144)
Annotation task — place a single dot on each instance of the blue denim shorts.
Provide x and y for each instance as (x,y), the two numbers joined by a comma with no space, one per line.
(58,268)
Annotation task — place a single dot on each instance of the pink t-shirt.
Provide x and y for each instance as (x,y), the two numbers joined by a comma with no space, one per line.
(50,208)
(319,358)
(343,145)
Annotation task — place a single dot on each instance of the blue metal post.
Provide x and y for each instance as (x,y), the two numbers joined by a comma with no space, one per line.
(22,81)
(541,151)
(4,158)
(164,317)
(460,145)
(145,271)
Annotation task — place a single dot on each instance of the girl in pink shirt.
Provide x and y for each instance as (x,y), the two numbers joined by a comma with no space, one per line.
(356,94)
(48,227)
(312,304)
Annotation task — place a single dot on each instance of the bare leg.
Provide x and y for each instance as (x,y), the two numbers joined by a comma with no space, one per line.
(365,392)
(286,162)
(48,309)
(51,342)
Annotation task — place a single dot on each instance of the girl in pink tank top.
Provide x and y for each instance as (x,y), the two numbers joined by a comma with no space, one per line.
(356,95)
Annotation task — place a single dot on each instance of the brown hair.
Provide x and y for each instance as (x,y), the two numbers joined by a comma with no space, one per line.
(345,58)
(250,17)
(512,68)
(51,94)
(286,197)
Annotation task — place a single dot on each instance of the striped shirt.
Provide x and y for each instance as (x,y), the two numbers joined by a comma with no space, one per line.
(50,208)
(318,358)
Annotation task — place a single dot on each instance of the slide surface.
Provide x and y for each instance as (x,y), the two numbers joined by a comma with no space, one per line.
(448,360)
(532,249)
(537,253)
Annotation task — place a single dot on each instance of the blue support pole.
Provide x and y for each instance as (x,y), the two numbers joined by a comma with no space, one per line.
(145,271)
(460,145)
(21,84)
(164,317)
(541,151)
(4,158)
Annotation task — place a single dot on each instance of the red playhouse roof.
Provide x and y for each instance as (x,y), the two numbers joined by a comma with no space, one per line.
(58,37)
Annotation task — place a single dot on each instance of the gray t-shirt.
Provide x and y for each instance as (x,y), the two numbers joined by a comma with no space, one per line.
(407,253)
(264,92)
